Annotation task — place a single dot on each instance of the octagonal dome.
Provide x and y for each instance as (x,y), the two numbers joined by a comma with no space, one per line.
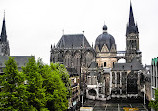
(104,38)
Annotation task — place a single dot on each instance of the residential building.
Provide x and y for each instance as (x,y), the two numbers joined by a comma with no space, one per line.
(154,77)
(74,101)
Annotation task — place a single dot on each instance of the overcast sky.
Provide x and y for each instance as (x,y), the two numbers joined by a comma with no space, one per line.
(33,25)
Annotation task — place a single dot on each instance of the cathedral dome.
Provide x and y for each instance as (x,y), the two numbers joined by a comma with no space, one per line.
(104,38)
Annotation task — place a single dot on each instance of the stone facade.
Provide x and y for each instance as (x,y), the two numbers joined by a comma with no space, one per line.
(102,77)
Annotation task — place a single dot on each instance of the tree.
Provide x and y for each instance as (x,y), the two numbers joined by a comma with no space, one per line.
(154,104)
(64,75)
(36,91)
(46,87)
(13,94)
(56,92)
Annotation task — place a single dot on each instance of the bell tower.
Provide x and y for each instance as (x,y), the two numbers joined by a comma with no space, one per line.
(132,39)
(4,43)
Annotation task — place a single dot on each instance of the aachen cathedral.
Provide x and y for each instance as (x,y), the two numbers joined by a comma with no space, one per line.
(102,76)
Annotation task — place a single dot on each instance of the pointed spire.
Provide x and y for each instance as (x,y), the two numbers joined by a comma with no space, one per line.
(4,15)
(3,32)
(131,16)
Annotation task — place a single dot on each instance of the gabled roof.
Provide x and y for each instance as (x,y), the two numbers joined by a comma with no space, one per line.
(73,40)
(20,60)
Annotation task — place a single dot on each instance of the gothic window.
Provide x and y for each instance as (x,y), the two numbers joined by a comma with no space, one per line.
(113,77)
(118,77)
(68,62)
(89,80)
(77,62)
(132,87)
(88,58)
(124,76)
(100,90)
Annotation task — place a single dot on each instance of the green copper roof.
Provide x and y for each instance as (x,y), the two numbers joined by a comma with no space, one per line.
(154,61)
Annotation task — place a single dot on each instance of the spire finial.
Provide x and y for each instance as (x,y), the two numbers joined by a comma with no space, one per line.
(63,31)
(4,15)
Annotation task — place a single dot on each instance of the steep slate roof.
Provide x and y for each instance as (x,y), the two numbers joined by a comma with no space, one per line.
(131,16)
(3,32)
(134,65)
(20,60)
(73,40)
(131,27)
(93,65)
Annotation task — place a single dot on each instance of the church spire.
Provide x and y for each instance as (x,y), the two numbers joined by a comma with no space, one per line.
(3,32)
(131,16)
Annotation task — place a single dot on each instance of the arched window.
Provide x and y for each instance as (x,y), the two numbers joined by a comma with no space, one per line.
(104,64)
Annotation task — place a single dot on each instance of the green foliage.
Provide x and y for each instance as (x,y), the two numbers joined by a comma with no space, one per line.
(13,94)
(154,104)
(64,75)
(47,87)
(36,92)
(56,92)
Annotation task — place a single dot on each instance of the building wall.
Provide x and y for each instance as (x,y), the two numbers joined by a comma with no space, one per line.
(75,99)
(109,62)
(154,77)
(125,83)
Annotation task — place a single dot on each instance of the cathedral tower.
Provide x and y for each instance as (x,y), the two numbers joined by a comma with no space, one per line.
(4,44)
(132,39)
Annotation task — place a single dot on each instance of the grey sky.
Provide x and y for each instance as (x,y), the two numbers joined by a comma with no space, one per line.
(33,25)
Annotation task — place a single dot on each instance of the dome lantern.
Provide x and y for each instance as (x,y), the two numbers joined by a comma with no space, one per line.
(105,28)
